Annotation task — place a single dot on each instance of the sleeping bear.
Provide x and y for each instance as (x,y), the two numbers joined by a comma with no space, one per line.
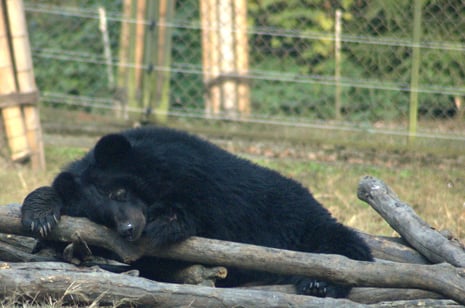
(168,185)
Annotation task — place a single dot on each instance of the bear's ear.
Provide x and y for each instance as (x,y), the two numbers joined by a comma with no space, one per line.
(65,185)
(111,148)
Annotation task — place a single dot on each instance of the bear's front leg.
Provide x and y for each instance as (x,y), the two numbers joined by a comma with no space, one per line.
(40,212)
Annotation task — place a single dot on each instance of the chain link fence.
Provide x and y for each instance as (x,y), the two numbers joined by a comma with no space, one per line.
(383,65)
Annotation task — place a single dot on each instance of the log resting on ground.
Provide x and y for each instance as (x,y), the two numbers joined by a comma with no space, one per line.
(402,218)
(440,278)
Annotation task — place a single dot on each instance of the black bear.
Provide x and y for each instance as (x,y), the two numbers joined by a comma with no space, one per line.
(168,185)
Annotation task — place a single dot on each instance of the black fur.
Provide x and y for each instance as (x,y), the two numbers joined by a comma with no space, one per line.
(169,185)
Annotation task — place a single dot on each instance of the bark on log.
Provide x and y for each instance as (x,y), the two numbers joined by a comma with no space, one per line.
(382,247)
(364,295)
(17,251)
(392,249)
(442,303)
(379,295)
(200,275)
(440,278)
(11,253)
(402,218)
(40,280)
(197,274)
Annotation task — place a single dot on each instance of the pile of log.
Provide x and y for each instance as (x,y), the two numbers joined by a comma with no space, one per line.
(422,267)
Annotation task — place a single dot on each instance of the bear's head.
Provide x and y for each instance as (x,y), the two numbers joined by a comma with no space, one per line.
(106,192)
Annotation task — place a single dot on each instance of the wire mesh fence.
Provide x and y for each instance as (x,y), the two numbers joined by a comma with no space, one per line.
(330,64)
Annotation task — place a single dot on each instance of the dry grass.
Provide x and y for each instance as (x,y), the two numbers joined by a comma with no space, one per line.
(16,181)
(72,298)
(435,192)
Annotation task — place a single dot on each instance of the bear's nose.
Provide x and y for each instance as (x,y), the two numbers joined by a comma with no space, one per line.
(126,231)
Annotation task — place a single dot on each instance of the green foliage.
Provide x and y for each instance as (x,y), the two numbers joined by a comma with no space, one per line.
(70,72)
(187,88)
(293,37)
(301,17)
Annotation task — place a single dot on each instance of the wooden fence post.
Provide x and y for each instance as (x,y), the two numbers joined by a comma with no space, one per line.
(415,71)
(121,95)
(225,57)
(25,78)
(210,56)
(18,88)
(242,56)
(12,115)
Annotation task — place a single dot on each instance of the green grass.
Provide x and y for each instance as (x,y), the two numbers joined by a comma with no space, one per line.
(434,191)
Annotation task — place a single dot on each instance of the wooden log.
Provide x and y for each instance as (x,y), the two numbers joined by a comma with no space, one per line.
(440,278)
(80,285)
(364,295)
(418,303)
(13,251)
(402,218)
(392,249)
(379,295)
(200,275)
(10,216)
(17,248)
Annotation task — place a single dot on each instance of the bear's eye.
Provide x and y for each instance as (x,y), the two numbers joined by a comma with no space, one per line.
(119,194)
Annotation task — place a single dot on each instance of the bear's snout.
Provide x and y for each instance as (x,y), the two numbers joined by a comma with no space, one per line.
(127,231)
(130,223)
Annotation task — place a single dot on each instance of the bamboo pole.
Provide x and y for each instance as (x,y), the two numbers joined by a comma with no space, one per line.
(166,14)
(15,129)
(242,56)
(25,79)
(211,56)
(206,59)
(157,54)
(103,26)
(150,56)
(131,72)
(415,74)
(139,44)
(123,59)
(337,64)
(227,57)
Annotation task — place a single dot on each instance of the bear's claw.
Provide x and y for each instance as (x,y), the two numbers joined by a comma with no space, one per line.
(41,211)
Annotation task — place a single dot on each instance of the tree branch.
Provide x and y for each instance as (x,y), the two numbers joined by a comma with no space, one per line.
(441,278)
(408,224)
